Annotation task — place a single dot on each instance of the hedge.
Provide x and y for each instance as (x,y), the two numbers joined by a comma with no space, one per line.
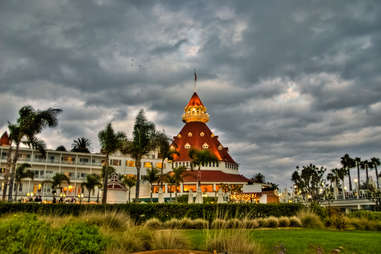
(142,212)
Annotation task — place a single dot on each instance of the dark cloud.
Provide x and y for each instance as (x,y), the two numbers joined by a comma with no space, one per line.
(285,83)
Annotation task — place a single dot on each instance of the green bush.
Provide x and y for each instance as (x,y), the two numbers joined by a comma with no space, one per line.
(172,223)
(153,223)
(80,238)
(218,224)
(284,221)
(139,213)
(310,220)
(261,222)
(339,222)
(233,223)
(295,222)
(250,223)
(370,215)
(199,224)
(271,222)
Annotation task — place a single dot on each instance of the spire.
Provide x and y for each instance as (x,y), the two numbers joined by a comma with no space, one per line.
(195,81)
(195,111)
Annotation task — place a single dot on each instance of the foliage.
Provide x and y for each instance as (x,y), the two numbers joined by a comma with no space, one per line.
(142,212)
(309,181)
(61,148)
(152,176)
(257,178)
(271,222)
(81,145)
(92,180)
(129,181)
(310,220)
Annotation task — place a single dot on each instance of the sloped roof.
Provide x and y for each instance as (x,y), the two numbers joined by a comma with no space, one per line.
(4,140)
(194,101)
(215,176)
(196,134)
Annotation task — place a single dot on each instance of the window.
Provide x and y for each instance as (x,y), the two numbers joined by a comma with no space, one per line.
(206,187)
(202,134)
(84,160)
(187,146)
(205,146)
(189,134)
(188,187)
(159,164)
(115,162)
(147,164)
(130,164)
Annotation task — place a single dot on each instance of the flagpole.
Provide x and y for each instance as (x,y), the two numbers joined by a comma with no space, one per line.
(195,81)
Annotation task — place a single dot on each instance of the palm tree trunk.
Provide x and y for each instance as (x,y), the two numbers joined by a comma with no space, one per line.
(375,167)
(105,181)
(161,173)
(16,191)
(367,175)
(129,195)
(350,179)
(6,175)
(151,192)
(88,200)
(13,171)
(137,188)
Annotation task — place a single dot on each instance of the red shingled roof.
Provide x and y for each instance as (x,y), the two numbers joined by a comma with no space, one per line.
(196,141)
(213,176)
(4,140)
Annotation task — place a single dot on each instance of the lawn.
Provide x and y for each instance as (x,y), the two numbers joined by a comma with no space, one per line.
(303,241)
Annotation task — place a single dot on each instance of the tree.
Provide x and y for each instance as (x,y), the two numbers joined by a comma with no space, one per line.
(309,180)
(178,176)
(152,177)
(61,148)
(144,141)
(22,173)
(347,162)
(92,180)
(165,152)
(110,142)
(129,181)
(358,162)
(171,180)
(81,145)
(201,158)
(257,178)
(376,162)
(57,181)
(29,124)
(364,165)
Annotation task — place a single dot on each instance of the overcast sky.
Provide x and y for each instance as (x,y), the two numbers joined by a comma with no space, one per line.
(286,83)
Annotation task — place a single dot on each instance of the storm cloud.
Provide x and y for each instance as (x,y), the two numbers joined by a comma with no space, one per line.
(285,83)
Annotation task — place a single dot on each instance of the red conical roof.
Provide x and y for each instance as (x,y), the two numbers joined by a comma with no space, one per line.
(4,140)
(194,101)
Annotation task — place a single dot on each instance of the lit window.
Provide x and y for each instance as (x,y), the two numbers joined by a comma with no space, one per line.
(187,146)
(130,164)
(189,134)
(220,147)
(179,136)
(202,134)
(147,164)
(205,146)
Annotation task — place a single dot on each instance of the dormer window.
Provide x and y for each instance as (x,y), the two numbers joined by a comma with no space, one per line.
(220,147)
(202,134)
(187,146)
(189,134)
(205,146)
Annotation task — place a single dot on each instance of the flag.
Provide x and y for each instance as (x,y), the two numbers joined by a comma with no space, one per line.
(195,76)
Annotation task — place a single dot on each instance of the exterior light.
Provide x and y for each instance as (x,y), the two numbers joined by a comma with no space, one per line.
(355,180)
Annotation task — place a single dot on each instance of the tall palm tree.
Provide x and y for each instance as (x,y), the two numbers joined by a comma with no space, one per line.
(110,142)
(170,178)
(81,145)
(144,141)
(376,162)
(365,165)
(57,181)
(22,173)
(29,124)
(92,180)
(358,162)
(179,177)
(129,181)
(151,177)
(200,158)
(347,162)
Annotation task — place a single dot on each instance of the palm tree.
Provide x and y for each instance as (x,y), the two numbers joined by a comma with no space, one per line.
(165,152)
(61,148)
(171,180)
(201,158)
(178,176)
(152,177)
(81,145)
(347,162)
(21,174)
(144,141)
(376,162)
(258,178)
(29,124)
(92,181)
(129,181)
(57,181)
(358,162)
(364,165)
(110,142)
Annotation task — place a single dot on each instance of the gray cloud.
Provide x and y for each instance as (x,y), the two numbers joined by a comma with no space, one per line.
(285,83)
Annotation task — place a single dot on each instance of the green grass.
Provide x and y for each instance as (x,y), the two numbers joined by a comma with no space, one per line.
(303,241)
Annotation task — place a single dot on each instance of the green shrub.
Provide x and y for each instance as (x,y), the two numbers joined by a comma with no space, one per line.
(271,222)
(284,221)
(310,220)
(172,223)
(139,213)
(153,223)
(295,222)
(233,223)
(218,224)
(370,215)
(250,223)
(261,222)
(80,238)
(199,224)
(186,223)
